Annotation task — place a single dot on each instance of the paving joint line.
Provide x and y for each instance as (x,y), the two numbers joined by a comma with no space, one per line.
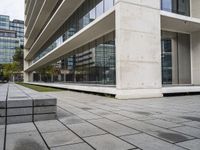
(128,127)
(76,134)
(106,132)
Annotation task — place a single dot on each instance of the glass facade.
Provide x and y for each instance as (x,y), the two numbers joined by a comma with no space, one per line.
(4,22)
(93,63)
(18,26)
(8,45)
(85,14)
(181,7)
(11,37)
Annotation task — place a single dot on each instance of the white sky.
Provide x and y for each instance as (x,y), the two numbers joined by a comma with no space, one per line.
(12,8)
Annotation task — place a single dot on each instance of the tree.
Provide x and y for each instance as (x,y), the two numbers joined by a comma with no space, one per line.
(19,58)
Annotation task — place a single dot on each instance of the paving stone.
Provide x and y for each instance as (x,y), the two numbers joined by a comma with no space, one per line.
(147,142)
(192,144)
(108,142)
(100,112)
(162,123)
(71,120)
(80,146)
(19,119)
(113,127)
(135,115)
(115,117)
(85,129)
(50,126)
(159,132)
(25,141)
(63,114)
(139,125)
(61,138)
(195,124)
(88,116)
(45,110)
(41,117)
(170,118)
(188,130)
(22,127)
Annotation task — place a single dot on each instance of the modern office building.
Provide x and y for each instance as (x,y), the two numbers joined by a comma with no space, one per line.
(11,37)
(128,48)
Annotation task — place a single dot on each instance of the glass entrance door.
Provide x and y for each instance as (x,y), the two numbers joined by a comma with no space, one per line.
(166,61)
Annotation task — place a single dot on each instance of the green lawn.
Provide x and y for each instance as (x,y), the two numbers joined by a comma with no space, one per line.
(40,88)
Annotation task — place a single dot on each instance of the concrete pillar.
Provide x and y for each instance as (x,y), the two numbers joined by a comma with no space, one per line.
(28,77)
(195,52)
(195,11)
(138,49)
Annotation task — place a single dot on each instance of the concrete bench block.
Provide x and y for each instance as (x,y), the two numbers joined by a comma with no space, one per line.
(2,120)
(13,103)
(19,111)
(2,112)
(45,101)
(19,119)
(45,110)
(44,117)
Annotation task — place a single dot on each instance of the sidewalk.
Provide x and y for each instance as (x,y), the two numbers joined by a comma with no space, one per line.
(87,122)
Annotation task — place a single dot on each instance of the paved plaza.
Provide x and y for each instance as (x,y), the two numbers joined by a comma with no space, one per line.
(87,122)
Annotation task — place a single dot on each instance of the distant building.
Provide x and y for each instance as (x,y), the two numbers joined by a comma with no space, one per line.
(11,37)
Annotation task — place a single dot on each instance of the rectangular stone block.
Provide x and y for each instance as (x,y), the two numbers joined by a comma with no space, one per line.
(19,119)
(2,120)
(13,103)
(45,101)
(19,111)
(44,117)
(45,110)
(2,112)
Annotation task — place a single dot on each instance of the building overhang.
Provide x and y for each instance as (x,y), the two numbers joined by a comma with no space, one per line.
(99,27)
(29,23)
(179,23)
(40,21)
(65,10)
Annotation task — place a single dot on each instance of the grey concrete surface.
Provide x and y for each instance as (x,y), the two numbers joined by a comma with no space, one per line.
(94,122)
(19,105)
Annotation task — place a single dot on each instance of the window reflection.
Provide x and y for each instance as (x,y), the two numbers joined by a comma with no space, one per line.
(176,6)
(85,14)
(94,63)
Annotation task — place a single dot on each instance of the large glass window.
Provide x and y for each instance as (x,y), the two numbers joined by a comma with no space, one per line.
(93,63)
(86,13)
(176,6)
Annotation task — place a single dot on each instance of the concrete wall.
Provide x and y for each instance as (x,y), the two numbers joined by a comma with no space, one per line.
(138,54)
(184,61)
(195,8)
(195,41)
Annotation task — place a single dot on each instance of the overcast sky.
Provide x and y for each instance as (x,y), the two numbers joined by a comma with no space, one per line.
(12,8)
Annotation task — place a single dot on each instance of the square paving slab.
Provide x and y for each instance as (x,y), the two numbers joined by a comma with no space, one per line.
(25,141)
(108,142)
(61,138)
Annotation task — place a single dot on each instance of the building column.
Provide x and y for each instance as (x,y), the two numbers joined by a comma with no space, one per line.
(195,57)
(138,49)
